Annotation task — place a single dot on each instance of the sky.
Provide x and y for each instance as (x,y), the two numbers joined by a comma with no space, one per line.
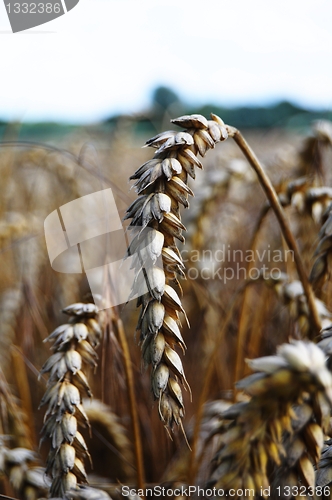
(107,56)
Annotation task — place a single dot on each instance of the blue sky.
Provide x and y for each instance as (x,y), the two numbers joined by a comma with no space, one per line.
(106,56)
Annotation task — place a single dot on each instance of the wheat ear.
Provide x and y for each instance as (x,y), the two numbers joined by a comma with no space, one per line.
(254,441)
(74,345)
(106,424)
(20,464)
(290,292)
(311,157)
(162,185)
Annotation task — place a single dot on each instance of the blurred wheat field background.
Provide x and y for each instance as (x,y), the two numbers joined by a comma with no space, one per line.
(233,315)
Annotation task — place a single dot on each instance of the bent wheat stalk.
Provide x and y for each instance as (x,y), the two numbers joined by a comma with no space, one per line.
(284,226)
(161,184)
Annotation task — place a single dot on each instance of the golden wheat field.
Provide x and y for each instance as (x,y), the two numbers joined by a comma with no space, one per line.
(216,379)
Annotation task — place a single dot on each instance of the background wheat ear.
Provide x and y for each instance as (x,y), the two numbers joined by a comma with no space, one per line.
(162,186)
(290,292)
(18,461)
(116,458)
(311,156)
(74,348)
(281,428)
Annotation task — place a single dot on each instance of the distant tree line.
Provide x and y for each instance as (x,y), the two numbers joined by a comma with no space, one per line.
(166,103)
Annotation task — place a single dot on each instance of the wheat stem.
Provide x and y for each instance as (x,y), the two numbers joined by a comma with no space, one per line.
(193,463)
(284,226)
(132,404)
(242,329)
(23,387)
